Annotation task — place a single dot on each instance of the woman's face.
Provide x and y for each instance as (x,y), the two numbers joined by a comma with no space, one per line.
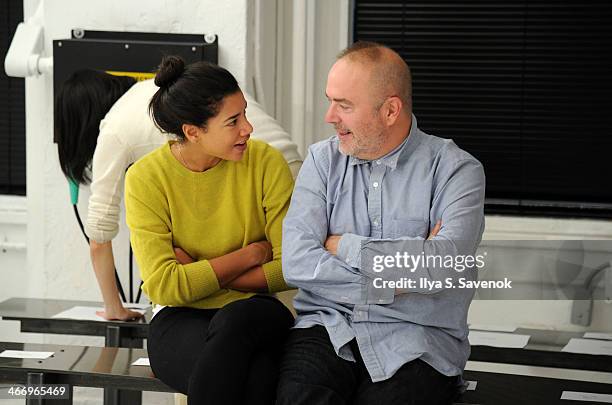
(226,134)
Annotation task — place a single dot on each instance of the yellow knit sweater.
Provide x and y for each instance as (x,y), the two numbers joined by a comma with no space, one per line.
(207,214)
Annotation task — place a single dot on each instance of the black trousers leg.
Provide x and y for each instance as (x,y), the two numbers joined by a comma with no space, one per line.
(312,373)
(415,383)
(260,388)
(176,336)
(207,354)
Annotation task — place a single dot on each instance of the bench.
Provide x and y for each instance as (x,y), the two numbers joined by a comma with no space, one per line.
(83,366)
(36,315)
(543,349)
(511,389)
(111,368)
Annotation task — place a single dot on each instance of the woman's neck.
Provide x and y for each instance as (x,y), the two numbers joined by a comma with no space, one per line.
(193,159)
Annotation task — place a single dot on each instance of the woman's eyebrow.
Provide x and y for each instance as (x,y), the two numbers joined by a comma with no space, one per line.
(232,117)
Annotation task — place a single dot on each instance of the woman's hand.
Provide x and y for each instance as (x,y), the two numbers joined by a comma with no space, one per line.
(262,251)
(104,267)
(119,313)
(182,257)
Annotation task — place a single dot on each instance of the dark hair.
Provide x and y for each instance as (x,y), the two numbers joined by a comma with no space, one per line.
(82,102)
(188,94)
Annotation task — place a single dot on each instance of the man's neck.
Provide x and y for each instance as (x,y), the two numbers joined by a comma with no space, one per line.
(397,134)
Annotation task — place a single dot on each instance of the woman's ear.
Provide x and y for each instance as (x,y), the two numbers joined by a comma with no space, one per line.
(191,132)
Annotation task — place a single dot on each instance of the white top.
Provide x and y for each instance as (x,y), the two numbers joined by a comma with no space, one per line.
(127,133)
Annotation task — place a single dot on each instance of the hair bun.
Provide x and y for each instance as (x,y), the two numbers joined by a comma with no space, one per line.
(170,69)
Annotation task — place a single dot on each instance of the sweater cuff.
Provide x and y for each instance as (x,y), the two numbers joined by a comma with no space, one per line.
(274,276)
(202,279)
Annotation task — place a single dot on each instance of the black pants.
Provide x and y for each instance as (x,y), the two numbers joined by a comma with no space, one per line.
(221,356)
(312,373)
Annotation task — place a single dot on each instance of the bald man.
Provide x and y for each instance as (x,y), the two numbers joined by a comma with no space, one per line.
(379,190)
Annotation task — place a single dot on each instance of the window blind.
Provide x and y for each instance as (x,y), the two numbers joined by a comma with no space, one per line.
(12,108)
(525,86)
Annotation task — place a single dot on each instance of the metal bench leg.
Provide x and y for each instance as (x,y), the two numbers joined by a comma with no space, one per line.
(38,379)
(114,396)
(116,337)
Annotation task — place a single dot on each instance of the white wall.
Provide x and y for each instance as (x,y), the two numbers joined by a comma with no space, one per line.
(13,274)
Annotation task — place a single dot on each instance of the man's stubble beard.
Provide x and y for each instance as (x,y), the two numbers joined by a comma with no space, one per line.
(363,145)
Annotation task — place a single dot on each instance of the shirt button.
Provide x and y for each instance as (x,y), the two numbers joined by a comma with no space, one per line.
(375,223)
(375,184)
(378,162)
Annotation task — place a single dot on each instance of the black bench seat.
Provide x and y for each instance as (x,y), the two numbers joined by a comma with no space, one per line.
(103,367)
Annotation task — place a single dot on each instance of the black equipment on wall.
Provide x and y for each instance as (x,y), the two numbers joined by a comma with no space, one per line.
(134,53)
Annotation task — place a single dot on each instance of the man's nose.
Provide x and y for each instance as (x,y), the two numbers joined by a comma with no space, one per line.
(330,116)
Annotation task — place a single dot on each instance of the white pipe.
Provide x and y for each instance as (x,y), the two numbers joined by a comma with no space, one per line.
(12,246)
(345,35)
(24,57)
(298,71)
(45,65)
(258,91)
(309,79)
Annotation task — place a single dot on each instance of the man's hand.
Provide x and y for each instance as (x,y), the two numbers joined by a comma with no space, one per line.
(435,229)
(331,244)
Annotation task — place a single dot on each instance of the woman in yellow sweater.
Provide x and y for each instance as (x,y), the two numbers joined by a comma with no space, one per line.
(219,198)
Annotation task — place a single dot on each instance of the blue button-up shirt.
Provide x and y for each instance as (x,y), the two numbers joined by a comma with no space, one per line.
(373,204)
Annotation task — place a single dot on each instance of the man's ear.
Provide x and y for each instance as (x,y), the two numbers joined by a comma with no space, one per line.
(191,132)
(392,109)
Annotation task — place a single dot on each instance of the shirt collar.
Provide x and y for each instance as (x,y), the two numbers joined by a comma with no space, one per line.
(391,158)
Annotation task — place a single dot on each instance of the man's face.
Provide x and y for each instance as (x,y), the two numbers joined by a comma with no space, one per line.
(353,110)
